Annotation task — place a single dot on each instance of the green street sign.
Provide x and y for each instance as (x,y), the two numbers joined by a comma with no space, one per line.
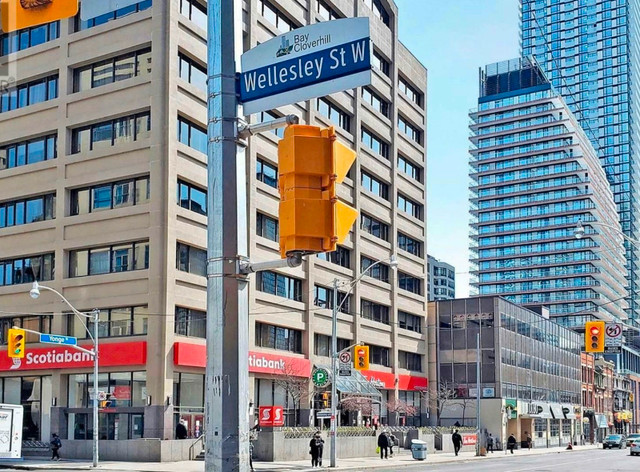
(320,377)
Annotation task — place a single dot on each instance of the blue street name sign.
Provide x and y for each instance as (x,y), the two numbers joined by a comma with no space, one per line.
(56,339)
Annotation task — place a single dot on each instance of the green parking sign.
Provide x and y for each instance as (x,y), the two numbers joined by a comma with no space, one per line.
(320,377)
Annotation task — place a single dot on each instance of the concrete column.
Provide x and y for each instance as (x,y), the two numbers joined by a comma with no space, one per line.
(158,422)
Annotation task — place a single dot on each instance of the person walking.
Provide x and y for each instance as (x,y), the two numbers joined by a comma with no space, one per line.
(529,440)
(511,443)
(56,444)
(392,442)
(457,441)
(490,443)
(181,430)
(383,444)
(316,445)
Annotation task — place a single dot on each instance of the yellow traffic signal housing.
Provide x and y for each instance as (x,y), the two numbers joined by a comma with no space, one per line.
(594,336)
(16,342)
(311,162)
(325,399)
(361,358)
(19,14)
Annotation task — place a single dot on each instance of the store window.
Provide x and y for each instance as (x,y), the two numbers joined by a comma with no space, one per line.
(188,396)
(34,393)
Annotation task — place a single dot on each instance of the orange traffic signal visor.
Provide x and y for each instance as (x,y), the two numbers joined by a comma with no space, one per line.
(20,14)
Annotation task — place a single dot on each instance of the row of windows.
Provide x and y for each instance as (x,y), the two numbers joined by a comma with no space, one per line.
(341,256)
(374,185)
(410,130)
(334,113)
(375,143)
(28,152)
(410,91)
(190,322)
(191,259)
(192,72)
(277,337)
(11,43)
(112,70)
(409,168)
(112,15)
(24,270)
(109,133)
(104,260)
(279,284)
(323,298)
(410,207)
(23,95)
(114,322)
(192,198)
(110,195)
(373,99)
(25,211)
(192,135)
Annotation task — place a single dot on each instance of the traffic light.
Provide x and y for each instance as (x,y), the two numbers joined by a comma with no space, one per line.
(326,396)
(361,358)
(19,14)
(311,162)
(594,336)
(16,342)
(107,402)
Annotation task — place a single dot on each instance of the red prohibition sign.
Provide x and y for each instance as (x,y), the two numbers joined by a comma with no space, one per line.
(614,331)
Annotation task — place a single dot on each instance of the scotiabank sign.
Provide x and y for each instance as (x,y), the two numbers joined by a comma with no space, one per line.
(387,380)
(63,357)
(194,355)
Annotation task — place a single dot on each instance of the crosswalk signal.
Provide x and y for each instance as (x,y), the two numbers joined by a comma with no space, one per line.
(361,358)
(311,162)
(19,14)
(16,342)
(594,336)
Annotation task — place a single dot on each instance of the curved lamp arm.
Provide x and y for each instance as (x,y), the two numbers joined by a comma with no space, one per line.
(393,263)
(579,231)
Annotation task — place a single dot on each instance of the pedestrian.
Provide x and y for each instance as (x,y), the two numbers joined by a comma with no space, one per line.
(490,443)
(383,444)
(253,437)
(181,430)
(392,442)
(511,443)
(529,440)
(457,441)
(56,444)
(316,445)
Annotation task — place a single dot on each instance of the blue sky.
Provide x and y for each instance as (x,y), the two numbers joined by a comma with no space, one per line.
(453,39)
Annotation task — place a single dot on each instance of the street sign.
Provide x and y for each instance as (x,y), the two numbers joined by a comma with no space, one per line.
(305,63)
(57,339)
(344,370)
(613,338)
(323,414)
(345,357)
(320,377)
(94,8)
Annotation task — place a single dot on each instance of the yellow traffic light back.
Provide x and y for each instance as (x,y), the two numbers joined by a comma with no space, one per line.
(325,399)
(361,358)
(311,162)
(594,336)
(19,14)
(16,342)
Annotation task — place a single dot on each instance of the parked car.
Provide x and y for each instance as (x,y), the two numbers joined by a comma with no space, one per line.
(635,448)
(614,440)
(633,438)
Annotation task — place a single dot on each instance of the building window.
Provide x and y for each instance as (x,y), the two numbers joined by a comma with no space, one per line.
(375,186)
(28,152)
(112,15)
(379,355)
(375,143)
(410,207)
(410,361)
(373,99)
(192,135)
(191,259)
(266,173)
(128,389)
(410,91)
(192,198)
(266,116)
(326,12)
(410,130)
(24,270)
(378,10)
(341,256)
(30,93)
(280,285)
(30,210)
(40,323)
(323,298)
(409,168)
(335,114)
(28,37)
(109,196)
(374,227)
(277,337)
(410,283)
(374,311)
(29,392)
(110,133)
(275,16)
(322,344)
(379,271)
(191,322)
(114,322)
(266,226)
(195,11)
(112,70)
(104,260)
(409,322)
(380,63)
(192,72)
(412,246)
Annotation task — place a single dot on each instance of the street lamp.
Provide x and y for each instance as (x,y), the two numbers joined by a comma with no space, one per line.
(579,231)
(393,263)
(94,316)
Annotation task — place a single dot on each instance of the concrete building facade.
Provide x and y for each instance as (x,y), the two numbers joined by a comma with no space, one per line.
(441,279)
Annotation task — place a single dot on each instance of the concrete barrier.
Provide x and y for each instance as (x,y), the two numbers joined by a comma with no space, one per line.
(272,446)
(131,450)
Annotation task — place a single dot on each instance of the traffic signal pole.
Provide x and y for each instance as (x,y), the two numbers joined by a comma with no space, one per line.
(334,373)
(227,375)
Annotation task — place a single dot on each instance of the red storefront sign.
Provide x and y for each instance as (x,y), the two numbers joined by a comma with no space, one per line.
(64,357)
(469,439)
(387,380)
(194,355)
(271,416)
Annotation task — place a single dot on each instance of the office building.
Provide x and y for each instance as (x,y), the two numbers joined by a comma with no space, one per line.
(535,175)
(103,197)
(441,279)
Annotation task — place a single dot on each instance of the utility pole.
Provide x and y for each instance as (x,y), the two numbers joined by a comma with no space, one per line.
(227,375)
(478,395)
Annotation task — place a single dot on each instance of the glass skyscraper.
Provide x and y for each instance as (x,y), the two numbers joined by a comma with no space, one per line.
(588,50)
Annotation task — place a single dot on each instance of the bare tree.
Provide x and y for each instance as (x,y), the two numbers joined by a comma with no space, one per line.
(293,381)
(441,394)
(357,403)
(401,407)
(463,399)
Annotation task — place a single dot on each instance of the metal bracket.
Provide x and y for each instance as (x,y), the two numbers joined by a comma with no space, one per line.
(247,267)
(245,130)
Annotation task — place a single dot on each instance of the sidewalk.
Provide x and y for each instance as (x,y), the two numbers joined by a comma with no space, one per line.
(402,459)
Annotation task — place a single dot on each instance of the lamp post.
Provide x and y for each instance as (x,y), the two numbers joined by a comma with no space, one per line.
(393,263)
(94,316)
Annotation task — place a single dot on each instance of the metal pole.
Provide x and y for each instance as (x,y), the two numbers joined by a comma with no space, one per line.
(227,374)
(96,317)
(478,394)
(334,373)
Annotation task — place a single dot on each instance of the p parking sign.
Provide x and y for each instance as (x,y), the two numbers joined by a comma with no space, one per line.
(320,377)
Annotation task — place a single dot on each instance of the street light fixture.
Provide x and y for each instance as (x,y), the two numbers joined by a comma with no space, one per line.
(393,263)
(94,316)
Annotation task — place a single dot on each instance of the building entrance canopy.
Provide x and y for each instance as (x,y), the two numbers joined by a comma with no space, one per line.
(355,384)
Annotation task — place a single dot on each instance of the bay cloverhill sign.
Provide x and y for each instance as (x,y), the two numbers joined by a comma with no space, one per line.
(305,63)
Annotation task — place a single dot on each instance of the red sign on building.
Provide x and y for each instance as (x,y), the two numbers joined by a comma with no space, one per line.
(469,439)
(271,416)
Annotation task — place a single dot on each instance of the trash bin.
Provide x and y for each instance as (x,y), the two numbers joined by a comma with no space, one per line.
(418,449)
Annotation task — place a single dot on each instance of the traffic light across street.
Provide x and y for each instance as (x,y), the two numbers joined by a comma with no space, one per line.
(594,336)
(16,342)
(19,14)
(361,358)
